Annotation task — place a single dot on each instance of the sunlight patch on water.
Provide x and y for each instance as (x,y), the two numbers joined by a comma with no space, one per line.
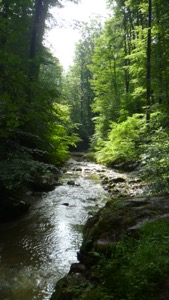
(38,249)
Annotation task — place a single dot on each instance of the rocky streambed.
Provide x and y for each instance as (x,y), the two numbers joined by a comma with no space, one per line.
(37,249)
(125,248)
(46,245)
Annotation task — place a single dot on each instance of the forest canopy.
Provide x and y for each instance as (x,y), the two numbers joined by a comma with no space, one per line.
(114,97)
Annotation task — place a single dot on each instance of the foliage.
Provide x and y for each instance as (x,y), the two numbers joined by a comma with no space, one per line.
(20,170)
(61,135)
(30,155)
(117,67)
(136,266)
(155,163)
(107,80)
(35,127)
(77,89)
(129,267)
(120,71)
(129,70)
(123,141)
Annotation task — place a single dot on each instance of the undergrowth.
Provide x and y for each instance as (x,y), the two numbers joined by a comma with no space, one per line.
(136,267)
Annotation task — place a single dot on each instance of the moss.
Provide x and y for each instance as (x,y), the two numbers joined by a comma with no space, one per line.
(71,287)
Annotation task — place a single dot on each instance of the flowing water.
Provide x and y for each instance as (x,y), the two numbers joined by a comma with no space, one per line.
(38,249)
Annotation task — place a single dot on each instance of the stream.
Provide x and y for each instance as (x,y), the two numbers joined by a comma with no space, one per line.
(38,249)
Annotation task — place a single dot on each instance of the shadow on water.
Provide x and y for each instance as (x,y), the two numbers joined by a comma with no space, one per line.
(38,249)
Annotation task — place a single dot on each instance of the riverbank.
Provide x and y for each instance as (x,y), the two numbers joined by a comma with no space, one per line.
(16,202)
(125,248)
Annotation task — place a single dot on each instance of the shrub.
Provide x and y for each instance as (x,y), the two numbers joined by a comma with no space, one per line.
(123,140)
(137,266)
(155,162)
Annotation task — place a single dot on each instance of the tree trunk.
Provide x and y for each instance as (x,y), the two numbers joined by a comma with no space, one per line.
(148,77)
(41,9)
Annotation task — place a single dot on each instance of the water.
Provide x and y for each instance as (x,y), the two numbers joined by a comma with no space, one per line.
(37,250)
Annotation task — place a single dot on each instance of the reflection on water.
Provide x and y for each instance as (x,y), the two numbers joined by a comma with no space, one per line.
(38,249)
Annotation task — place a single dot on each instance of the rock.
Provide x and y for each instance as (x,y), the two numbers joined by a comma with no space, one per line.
(58,184)
(118,179)
(128,166)
(77,268)
(61,291)
(43,184)
(91,199)
(78,169)
(65,204)
(90,213)
(105,180)
(71,182)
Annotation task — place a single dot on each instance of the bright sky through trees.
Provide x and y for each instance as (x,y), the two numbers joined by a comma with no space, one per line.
(65,34)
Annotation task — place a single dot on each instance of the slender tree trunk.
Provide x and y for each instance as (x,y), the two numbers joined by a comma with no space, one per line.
(148,77)
(82,94)
(35,28)
(126,52)
(41,9)
(4,16)
(3,38)
(126,70)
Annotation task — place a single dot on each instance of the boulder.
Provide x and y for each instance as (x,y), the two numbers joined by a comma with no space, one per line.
(117,180)
(71,182)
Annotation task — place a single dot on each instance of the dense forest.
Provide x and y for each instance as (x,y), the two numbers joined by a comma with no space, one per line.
(113,100)
(35,127)
(118,88)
